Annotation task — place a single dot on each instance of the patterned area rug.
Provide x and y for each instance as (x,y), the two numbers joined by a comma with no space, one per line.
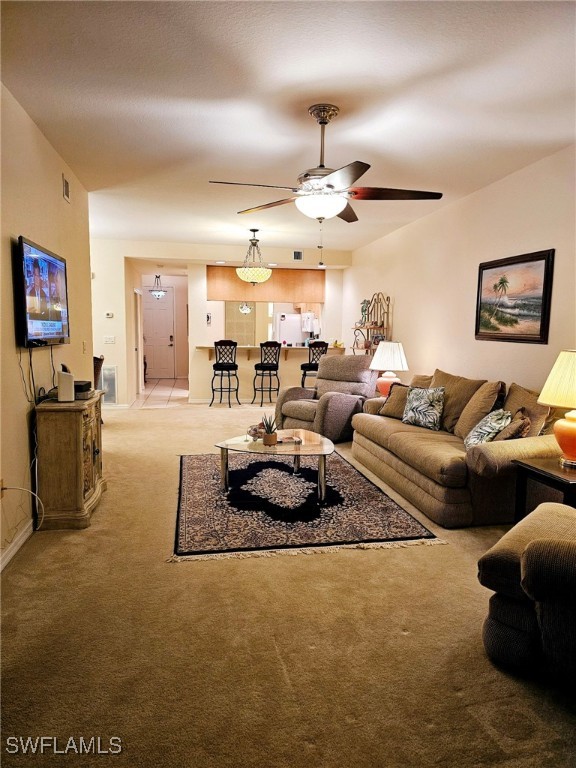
(269,510)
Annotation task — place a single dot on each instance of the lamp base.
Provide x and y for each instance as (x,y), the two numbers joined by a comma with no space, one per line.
(385,381)
(565,433)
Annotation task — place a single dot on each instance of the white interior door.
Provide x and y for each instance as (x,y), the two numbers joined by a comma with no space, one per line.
(159,334)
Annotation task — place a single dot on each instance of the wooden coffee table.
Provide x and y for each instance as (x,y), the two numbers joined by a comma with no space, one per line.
(291,442)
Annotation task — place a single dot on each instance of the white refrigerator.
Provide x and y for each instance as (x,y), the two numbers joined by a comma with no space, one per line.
(288,328)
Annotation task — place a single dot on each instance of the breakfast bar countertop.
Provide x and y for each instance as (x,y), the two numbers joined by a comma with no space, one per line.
(249,348)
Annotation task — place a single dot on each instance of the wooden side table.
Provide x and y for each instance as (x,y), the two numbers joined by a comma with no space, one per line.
(547,471)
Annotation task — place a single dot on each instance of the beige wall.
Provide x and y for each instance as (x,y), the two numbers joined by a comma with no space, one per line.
(33,206)
(430,269)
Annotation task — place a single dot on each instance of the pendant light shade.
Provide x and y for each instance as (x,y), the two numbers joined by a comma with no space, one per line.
(253,270)
(157,291)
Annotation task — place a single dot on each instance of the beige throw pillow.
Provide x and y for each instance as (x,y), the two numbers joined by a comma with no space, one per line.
(420,380)
(518,427)
(396,402)
(479,405)
(457,392)
(520,397)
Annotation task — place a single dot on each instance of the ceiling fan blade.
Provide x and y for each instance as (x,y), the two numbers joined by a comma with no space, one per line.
(383,193)
(344,177)
(242,184)
(348,214)
(268,205)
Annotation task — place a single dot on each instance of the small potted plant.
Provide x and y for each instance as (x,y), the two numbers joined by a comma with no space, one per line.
(270,436)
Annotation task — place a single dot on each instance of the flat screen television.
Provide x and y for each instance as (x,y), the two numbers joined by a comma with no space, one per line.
(40,296)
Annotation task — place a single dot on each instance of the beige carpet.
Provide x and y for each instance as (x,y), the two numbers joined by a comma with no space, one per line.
(356,659)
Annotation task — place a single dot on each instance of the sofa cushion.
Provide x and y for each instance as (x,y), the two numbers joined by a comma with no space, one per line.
(551,419)
(396,402)
(344,387)
(488,427)
(420,380)
(304,410)
(380,429)
(424,407)
(457,392)
(518,427)
(439,456)
(479,405)
(520,397)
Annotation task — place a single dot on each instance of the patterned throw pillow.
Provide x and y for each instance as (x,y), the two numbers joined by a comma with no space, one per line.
(488,428)
(424,407)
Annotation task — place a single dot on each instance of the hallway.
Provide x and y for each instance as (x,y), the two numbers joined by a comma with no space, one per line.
(163,393)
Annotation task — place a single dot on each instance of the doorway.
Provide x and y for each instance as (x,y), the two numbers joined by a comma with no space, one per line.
(158,328)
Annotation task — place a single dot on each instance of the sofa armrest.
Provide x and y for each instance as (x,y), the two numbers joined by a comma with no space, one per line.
(548,570)
(291,393)
(373,405)
(493,458)
(334,415)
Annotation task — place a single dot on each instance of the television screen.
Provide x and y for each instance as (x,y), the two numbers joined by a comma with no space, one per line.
(41,296)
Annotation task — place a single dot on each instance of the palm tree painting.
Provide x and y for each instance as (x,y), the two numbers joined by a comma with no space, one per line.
(500,289)
(513,302)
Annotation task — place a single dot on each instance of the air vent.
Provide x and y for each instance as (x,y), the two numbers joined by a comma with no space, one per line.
(298,255)
(65,189)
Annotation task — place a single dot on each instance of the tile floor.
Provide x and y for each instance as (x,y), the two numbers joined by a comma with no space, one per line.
(163,393)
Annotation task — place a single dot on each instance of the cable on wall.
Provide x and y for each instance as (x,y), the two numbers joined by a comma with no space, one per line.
(38,499)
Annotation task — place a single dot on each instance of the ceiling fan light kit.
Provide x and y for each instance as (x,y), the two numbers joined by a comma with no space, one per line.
(253,270)
(325,192)
(321,204)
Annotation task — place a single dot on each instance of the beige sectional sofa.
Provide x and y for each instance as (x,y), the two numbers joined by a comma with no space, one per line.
(454,486)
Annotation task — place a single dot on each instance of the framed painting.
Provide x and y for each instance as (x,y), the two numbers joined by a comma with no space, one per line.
(514,297)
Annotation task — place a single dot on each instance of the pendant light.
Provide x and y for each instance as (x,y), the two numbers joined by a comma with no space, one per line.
(253,270)
(157,291)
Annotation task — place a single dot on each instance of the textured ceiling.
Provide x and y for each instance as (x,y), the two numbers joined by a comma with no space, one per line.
(148,101)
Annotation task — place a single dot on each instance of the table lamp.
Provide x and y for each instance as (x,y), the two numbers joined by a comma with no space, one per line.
(559,391)
(389,357)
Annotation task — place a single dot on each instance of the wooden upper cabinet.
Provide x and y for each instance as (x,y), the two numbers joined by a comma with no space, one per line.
(292,286)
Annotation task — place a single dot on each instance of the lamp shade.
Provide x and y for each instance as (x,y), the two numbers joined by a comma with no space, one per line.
(559,391)
(389,357)
(253,270)
(321,205)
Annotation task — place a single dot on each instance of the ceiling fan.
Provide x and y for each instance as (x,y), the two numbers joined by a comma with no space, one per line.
(324,192)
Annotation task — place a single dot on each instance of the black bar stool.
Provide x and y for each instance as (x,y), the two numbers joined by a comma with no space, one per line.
(315,351)
(266,369)
(225,369)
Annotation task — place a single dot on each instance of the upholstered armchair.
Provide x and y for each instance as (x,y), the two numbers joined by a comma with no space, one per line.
(531,622)
(342,385)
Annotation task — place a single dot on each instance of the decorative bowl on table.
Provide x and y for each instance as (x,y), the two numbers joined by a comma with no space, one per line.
(255,432)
